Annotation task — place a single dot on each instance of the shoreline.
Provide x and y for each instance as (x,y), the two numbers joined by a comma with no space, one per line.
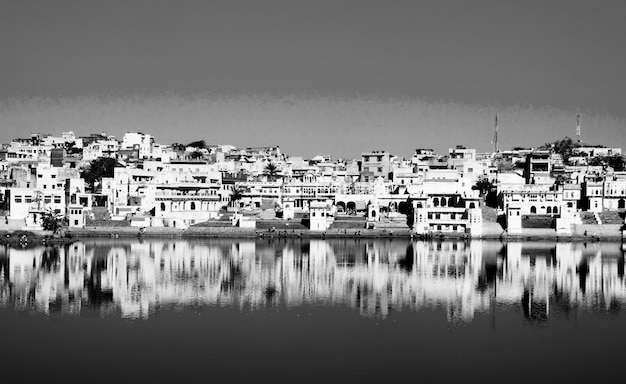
(533,234)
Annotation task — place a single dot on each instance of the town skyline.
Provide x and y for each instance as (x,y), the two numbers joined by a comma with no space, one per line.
(335,76)
(308,125)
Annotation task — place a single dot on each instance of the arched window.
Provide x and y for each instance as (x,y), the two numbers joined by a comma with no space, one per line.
(443,201)
(373,213)
(436,202)
(555,210)
(192,206)
(162,206)
(621,204)
(472,205)
(533,209)
(549,210)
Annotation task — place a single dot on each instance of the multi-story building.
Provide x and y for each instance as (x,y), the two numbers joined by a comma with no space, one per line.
(376,164)
(143,141)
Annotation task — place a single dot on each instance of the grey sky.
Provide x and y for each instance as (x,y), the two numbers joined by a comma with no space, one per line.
(469,54)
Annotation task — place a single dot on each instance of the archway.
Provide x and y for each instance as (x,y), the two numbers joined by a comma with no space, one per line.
(621,204)
(555,210)
(533,209)
(351,206)
(341,206)
(443,201)
(192,206)
(403,207)
(549,210)
(436,201)
(162,206)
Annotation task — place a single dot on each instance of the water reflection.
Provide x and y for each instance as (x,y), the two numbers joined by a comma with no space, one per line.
(135,278)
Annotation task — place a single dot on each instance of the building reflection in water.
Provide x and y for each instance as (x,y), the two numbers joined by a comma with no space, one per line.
(134,279)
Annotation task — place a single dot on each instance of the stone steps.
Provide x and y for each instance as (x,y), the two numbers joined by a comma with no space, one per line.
(588,218)
(611,217)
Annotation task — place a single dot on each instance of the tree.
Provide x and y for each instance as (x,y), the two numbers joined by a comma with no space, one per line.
(196,154)
(236,195)
(200,144)
(564,147)
(560,179)
(483,185)
(97,169)
(51,221)
(271,170)
(617,162)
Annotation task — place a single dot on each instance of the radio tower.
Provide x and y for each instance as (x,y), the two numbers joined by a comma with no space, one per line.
(495,135)
(578,128)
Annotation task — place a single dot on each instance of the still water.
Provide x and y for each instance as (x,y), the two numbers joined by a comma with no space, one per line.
(312,311)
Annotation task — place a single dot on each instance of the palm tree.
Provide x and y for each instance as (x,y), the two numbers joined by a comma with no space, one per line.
(236,194)
(271,170)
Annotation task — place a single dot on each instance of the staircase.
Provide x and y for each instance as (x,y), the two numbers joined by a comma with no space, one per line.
(490,215)
(611,217)
(267,214)
(224,220)
(588,218)
(348,222)
(393,223)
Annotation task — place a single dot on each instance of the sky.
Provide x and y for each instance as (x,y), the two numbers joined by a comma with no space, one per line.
(338,77)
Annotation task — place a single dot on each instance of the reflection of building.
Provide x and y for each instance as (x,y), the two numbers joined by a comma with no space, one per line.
(135,278)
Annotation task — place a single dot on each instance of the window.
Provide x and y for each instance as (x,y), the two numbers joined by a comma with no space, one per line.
(18,199)
(57,199)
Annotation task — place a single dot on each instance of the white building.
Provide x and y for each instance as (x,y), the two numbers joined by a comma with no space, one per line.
(143,141)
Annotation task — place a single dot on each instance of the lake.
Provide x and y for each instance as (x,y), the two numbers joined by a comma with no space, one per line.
(354,310)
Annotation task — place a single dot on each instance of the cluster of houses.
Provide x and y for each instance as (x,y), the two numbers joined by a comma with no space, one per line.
(152,185)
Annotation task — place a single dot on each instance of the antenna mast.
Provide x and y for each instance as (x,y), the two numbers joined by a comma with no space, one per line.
(495,134)
(578,128)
